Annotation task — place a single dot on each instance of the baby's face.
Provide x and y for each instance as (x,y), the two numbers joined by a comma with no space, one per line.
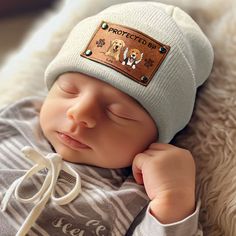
(88,121)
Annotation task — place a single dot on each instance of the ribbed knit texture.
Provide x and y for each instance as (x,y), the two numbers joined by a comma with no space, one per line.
(169,97)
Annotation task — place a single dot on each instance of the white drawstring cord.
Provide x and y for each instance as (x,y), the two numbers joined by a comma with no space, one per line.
(54,163)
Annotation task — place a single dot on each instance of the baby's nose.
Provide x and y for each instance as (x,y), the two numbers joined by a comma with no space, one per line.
(83,114)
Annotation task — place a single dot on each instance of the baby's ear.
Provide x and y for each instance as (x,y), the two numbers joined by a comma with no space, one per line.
(123,44)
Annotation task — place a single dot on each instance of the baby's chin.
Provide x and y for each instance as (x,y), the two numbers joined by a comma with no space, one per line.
(90,157)
(91,160)
(99,164)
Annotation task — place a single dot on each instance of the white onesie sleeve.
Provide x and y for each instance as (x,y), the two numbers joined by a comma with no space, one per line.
(149,225)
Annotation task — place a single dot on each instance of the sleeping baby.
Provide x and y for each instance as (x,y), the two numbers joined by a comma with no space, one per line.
(93,157)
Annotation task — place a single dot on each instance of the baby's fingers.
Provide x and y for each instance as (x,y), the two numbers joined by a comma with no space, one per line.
(137,167)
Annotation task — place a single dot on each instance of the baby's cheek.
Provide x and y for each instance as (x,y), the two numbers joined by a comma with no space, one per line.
(42,119)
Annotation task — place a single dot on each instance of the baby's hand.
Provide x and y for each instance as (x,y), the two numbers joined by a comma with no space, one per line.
(168,174)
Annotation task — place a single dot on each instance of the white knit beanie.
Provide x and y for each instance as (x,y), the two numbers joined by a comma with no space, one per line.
(154,52)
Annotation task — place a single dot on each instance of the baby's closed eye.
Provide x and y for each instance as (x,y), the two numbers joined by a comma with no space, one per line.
(67,87)
(119,111)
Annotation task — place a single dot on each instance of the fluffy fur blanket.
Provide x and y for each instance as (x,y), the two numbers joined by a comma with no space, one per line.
(212,131)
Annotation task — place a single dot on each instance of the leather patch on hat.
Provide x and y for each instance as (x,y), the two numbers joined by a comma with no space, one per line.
(131,52)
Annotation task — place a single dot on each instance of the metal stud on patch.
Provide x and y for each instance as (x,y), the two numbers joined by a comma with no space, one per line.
(162,50)
(144,79)
(104,25)
(88,52)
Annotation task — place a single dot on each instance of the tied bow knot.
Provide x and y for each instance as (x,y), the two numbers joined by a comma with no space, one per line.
(54,163)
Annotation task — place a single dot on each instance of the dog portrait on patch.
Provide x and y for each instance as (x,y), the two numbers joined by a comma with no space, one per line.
(114,49)
(132,57)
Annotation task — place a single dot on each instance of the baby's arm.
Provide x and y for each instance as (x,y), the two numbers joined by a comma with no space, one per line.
(168,174)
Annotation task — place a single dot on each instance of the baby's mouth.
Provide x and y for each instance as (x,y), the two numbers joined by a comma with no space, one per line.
(71,141)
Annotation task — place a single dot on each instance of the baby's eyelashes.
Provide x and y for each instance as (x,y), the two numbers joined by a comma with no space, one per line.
(68,89)
(112,113)
(119,112)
